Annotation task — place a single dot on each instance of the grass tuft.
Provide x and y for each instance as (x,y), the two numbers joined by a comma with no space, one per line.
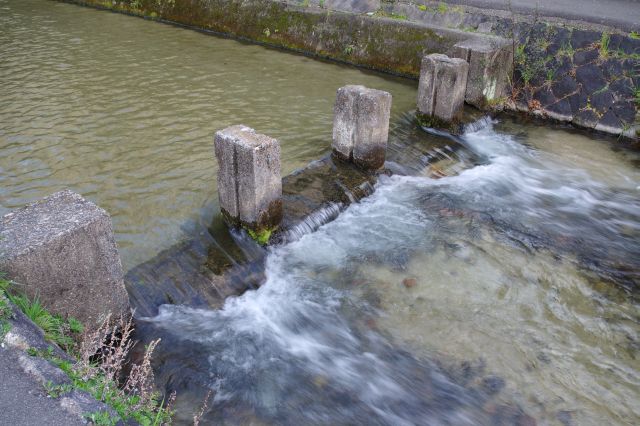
(63,332)
(102,357)
(604,45)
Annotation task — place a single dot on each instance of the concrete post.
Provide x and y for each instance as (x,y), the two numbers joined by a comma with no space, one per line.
(62,251)
(490,66)
(361,126)
(249,182)
(441,89)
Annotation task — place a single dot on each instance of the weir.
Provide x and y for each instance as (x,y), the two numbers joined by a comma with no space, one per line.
(201,273)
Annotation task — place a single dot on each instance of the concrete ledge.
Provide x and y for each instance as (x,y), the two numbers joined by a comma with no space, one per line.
(376,42)
(62,250)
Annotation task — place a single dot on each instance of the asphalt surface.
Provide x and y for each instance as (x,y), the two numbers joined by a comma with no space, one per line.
(623,14)
(23,401)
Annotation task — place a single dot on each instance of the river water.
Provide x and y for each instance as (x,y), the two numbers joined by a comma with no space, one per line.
(124,110)
(503,292)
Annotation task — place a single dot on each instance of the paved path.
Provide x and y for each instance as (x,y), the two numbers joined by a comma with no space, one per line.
(624,14)
(23,401)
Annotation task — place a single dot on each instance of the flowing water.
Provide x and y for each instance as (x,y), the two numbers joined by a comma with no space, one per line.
(498,285)
(442,301)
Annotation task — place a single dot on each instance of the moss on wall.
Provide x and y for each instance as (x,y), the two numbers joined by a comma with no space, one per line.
(383,44)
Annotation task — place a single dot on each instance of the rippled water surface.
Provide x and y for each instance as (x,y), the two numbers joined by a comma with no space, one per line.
(123,111)
(496,286)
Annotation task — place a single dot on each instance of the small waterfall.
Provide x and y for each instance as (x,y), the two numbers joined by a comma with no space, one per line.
(314,221)
(477,125)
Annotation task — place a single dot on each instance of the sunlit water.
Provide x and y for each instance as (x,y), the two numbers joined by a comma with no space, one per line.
(504,292)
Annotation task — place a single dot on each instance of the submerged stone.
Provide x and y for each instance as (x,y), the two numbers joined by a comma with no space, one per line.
(409,282)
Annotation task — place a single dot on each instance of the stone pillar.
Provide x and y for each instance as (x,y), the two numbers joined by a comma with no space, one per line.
(490,67)
(62,251)
(249,182)
(361,126)
(441,90)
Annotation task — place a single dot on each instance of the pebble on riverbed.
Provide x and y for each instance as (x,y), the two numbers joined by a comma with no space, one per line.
(409,282)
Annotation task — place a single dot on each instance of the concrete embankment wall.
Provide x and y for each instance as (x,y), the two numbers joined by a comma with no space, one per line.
(377,43)
(589,76)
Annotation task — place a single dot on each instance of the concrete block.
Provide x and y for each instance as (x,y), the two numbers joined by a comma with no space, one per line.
(361,125)
(249,182)
(490,67)
(344,120)
(62,250)
(372,130)
(442,87)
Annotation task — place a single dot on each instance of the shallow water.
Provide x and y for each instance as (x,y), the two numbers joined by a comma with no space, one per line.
(504,292)
(519,300)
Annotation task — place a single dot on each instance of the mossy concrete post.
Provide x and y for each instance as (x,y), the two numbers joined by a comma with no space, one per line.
(62,251)
(490,67)
(441,90)
(361,126)
(249,182)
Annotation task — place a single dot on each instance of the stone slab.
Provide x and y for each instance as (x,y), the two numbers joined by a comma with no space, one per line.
(442,87)
(372,130)
(62,250)
(249,182)
(344,119)
(361,125)
(490,67)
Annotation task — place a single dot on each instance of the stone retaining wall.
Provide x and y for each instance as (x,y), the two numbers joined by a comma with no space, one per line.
(570,71)
(589,76)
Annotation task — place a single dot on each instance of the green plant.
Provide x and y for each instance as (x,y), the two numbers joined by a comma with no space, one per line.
(305,3)
(132,398)
(348,49)
(604,45)
(260,236)
(5,309)
(634,35)
(566,50)
(56,329)
(382,14)
(64,333)
(56,391)
(102,418)
(422,7)
(442,7)
(321,4)
(621,54)
(551,75)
